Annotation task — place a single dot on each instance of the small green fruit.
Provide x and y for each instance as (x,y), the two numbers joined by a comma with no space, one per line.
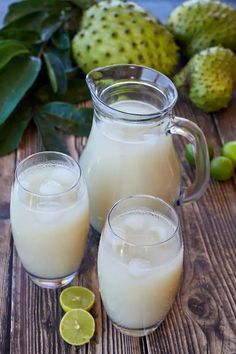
(189,154)
(229,150)
(221,168)
(208,78)
(200,24)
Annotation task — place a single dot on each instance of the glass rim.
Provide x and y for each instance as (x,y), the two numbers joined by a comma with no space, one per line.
(40,195)
(148,117)
(157,243)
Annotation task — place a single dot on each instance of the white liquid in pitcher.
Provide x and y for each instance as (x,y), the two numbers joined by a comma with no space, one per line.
(125,158)
(138,283)
(49,233)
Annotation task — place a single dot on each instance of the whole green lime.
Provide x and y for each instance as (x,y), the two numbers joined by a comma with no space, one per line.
(189,153)
(229,150)
(221,168)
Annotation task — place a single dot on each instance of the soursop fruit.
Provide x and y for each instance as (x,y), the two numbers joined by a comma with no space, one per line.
(201,24)
(208,79)
(118,32)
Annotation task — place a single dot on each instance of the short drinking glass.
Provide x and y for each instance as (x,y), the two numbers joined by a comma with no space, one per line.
(49,217)
(140,262)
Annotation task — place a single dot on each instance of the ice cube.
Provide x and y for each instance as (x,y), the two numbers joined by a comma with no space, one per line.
(139,267)
(136,222)
(156,234)
(64,176)
(50,187)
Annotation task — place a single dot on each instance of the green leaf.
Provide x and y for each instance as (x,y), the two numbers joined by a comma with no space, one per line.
(56,72)
(50,25)
(23,8)
(9,49)
(27,36)
(68,118)
(28,7)
(29,22)
(12,130)
(63,55)
(50,138)
(43,22)
(15,79)
(77,91)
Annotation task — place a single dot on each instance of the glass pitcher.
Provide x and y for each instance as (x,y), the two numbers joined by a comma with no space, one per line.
(130,149)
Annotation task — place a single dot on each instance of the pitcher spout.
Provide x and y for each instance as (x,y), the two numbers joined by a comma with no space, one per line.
(115,83)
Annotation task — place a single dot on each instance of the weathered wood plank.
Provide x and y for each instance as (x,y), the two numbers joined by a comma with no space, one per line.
(201,319)
(7,167)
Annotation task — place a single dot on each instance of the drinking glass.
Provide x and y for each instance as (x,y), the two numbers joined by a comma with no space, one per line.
(49,217)
(140,261)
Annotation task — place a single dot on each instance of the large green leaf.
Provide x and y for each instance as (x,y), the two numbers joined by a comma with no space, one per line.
(64,56)
(15,79)
(68,118)
(56,72)
(29,22)
(27,36)
(23,8)
(50,138)
(43,22)
(28,7)
(50,25)
(9,49)
(77,91)
(12,130)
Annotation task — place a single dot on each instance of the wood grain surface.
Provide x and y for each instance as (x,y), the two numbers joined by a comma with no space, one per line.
(203,317)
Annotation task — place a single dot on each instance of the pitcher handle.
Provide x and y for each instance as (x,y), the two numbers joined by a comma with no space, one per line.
(194,135)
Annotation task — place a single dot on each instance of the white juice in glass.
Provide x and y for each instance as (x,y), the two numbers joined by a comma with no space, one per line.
(124,158)
(50,217)
(140,263)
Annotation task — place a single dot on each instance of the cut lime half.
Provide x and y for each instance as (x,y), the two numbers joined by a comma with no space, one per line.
(77,327)
(76,297)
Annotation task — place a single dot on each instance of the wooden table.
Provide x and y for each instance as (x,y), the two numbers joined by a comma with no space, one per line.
(202,319)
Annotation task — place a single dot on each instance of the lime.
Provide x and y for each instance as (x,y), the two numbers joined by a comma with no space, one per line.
(221,168)
(76,297)
(77,327)
(229,150)
(189,154)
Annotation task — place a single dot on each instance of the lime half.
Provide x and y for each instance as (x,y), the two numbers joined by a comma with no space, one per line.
(77,327)
(76,297)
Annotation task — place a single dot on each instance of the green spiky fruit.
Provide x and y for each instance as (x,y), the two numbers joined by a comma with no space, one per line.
(118,32)
(208,78)
(200,24)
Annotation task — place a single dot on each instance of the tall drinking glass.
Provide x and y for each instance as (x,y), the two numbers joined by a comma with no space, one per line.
(140,261)
(49,217)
